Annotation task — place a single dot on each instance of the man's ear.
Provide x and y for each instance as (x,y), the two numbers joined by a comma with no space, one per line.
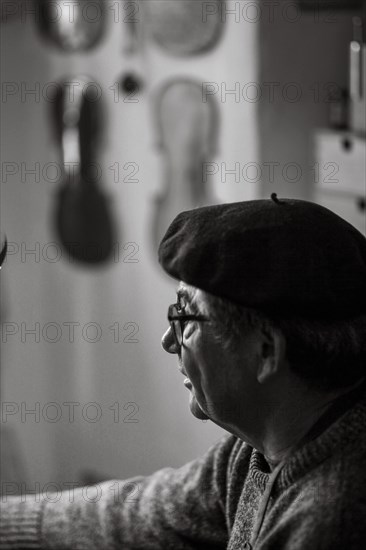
(271,353)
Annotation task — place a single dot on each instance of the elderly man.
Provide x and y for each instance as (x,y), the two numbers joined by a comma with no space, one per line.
(270,332)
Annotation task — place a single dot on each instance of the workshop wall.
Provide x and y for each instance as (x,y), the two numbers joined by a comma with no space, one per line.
(145,422)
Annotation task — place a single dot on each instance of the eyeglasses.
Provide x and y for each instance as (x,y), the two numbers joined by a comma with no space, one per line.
(177,320)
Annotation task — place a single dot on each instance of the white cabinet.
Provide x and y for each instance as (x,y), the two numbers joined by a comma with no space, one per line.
(340,159)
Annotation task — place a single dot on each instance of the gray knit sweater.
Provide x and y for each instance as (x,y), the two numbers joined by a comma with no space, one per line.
(317,502)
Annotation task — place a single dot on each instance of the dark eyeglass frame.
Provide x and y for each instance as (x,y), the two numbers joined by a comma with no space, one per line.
(177,320)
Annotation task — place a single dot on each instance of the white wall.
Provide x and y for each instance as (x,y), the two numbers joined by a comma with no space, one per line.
(104,372)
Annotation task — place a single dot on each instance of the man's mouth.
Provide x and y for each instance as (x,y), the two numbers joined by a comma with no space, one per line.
(186,381)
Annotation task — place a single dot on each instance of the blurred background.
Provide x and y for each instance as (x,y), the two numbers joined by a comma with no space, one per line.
(115,116)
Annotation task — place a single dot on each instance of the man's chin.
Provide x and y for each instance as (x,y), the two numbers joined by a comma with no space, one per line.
(196,409)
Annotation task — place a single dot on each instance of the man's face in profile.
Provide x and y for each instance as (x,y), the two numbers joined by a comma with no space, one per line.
(220,382)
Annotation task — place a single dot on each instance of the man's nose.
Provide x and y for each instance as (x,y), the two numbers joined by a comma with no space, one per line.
(168,342)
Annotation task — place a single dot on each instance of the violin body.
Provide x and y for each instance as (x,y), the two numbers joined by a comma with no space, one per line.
(187,132)
(83,221)
(82,218)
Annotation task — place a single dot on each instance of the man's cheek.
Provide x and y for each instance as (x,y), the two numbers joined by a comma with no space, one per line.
(191,366)
(189,334)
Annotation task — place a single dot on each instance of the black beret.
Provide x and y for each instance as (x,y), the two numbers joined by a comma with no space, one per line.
(282,256)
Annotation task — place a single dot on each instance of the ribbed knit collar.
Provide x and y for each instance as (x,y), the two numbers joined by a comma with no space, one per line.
(339,434)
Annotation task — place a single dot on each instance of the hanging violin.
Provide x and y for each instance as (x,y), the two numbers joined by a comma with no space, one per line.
(82,218)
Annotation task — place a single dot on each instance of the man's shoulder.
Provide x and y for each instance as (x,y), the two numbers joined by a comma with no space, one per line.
(229,445)
(333,495)
(230,455)
(347,475)
(234,449)
(326,507)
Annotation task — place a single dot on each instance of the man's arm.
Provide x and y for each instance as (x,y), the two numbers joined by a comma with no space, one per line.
(177,509)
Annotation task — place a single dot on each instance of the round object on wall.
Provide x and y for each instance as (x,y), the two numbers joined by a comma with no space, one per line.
(72,26)
(130,83)
(184,27)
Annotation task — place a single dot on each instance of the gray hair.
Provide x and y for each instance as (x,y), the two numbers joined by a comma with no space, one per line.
(327,354)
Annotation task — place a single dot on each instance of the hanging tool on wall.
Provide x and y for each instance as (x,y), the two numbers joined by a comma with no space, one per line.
(71,26)
(131,79)
(184,27)
(83,219)
(187,130)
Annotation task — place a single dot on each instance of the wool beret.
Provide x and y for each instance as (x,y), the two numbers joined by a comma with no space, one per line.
(285,257)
